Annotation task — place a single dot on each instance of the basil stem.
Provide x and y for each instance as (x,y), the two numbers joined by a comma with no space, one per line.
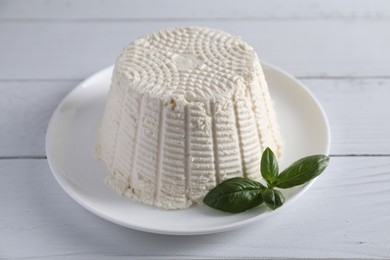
(273,198)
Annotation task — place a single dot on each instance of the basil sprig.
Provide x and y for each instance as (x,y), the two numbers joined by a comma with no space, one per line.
(240,194)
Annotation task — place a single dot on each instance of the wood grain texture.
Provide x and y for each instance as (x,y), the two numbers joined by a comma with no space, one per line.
(63,50)
(341,216)
(201,9)
(26,108)
(357,110)
(359,114)
(338,48)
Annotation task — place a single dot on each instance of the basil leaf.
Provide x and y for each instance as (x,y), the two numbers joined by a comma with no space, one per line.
(273,198)
(302,171)
(269,166)
(235,195)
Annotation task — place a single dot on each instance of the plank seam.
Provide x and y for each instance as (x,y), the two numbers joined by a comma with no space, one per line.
(151,20)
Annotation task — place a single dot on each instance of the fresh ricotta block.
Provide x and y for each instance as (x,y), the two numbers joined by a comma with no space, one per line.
(187,108)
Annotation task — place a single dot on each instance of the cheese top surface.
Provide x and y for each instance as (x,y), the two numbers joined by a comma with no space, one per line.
(189,63)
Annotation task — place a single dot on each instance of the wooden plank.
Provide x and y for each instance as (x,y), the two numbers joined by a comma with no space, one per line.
(179,9)
(26,108)
(357,110)
(61,50)
(343,215)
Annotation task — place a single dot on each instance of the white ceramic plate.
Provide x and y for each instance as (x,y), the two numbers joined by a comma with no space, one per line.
(70,138)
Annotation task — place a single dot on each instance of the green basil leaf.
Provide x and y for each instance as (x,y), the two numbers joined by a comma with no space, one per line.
(302,171)
(235,195)
(269,166)
(273,198)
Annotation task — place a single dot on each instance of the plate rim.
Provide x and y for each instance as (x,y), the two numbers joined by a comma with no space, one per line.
(226,227)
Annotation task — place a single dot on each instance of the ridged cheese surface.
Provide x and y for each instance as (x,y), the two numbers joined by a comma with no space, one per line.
(187,109)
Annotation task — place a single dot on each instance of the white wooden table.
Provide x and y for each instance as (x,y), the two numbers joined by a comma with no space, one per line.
(339,49)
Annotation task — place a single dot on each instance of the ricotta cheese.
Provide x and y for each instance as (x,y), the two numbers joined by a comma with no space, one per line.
(187,108)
